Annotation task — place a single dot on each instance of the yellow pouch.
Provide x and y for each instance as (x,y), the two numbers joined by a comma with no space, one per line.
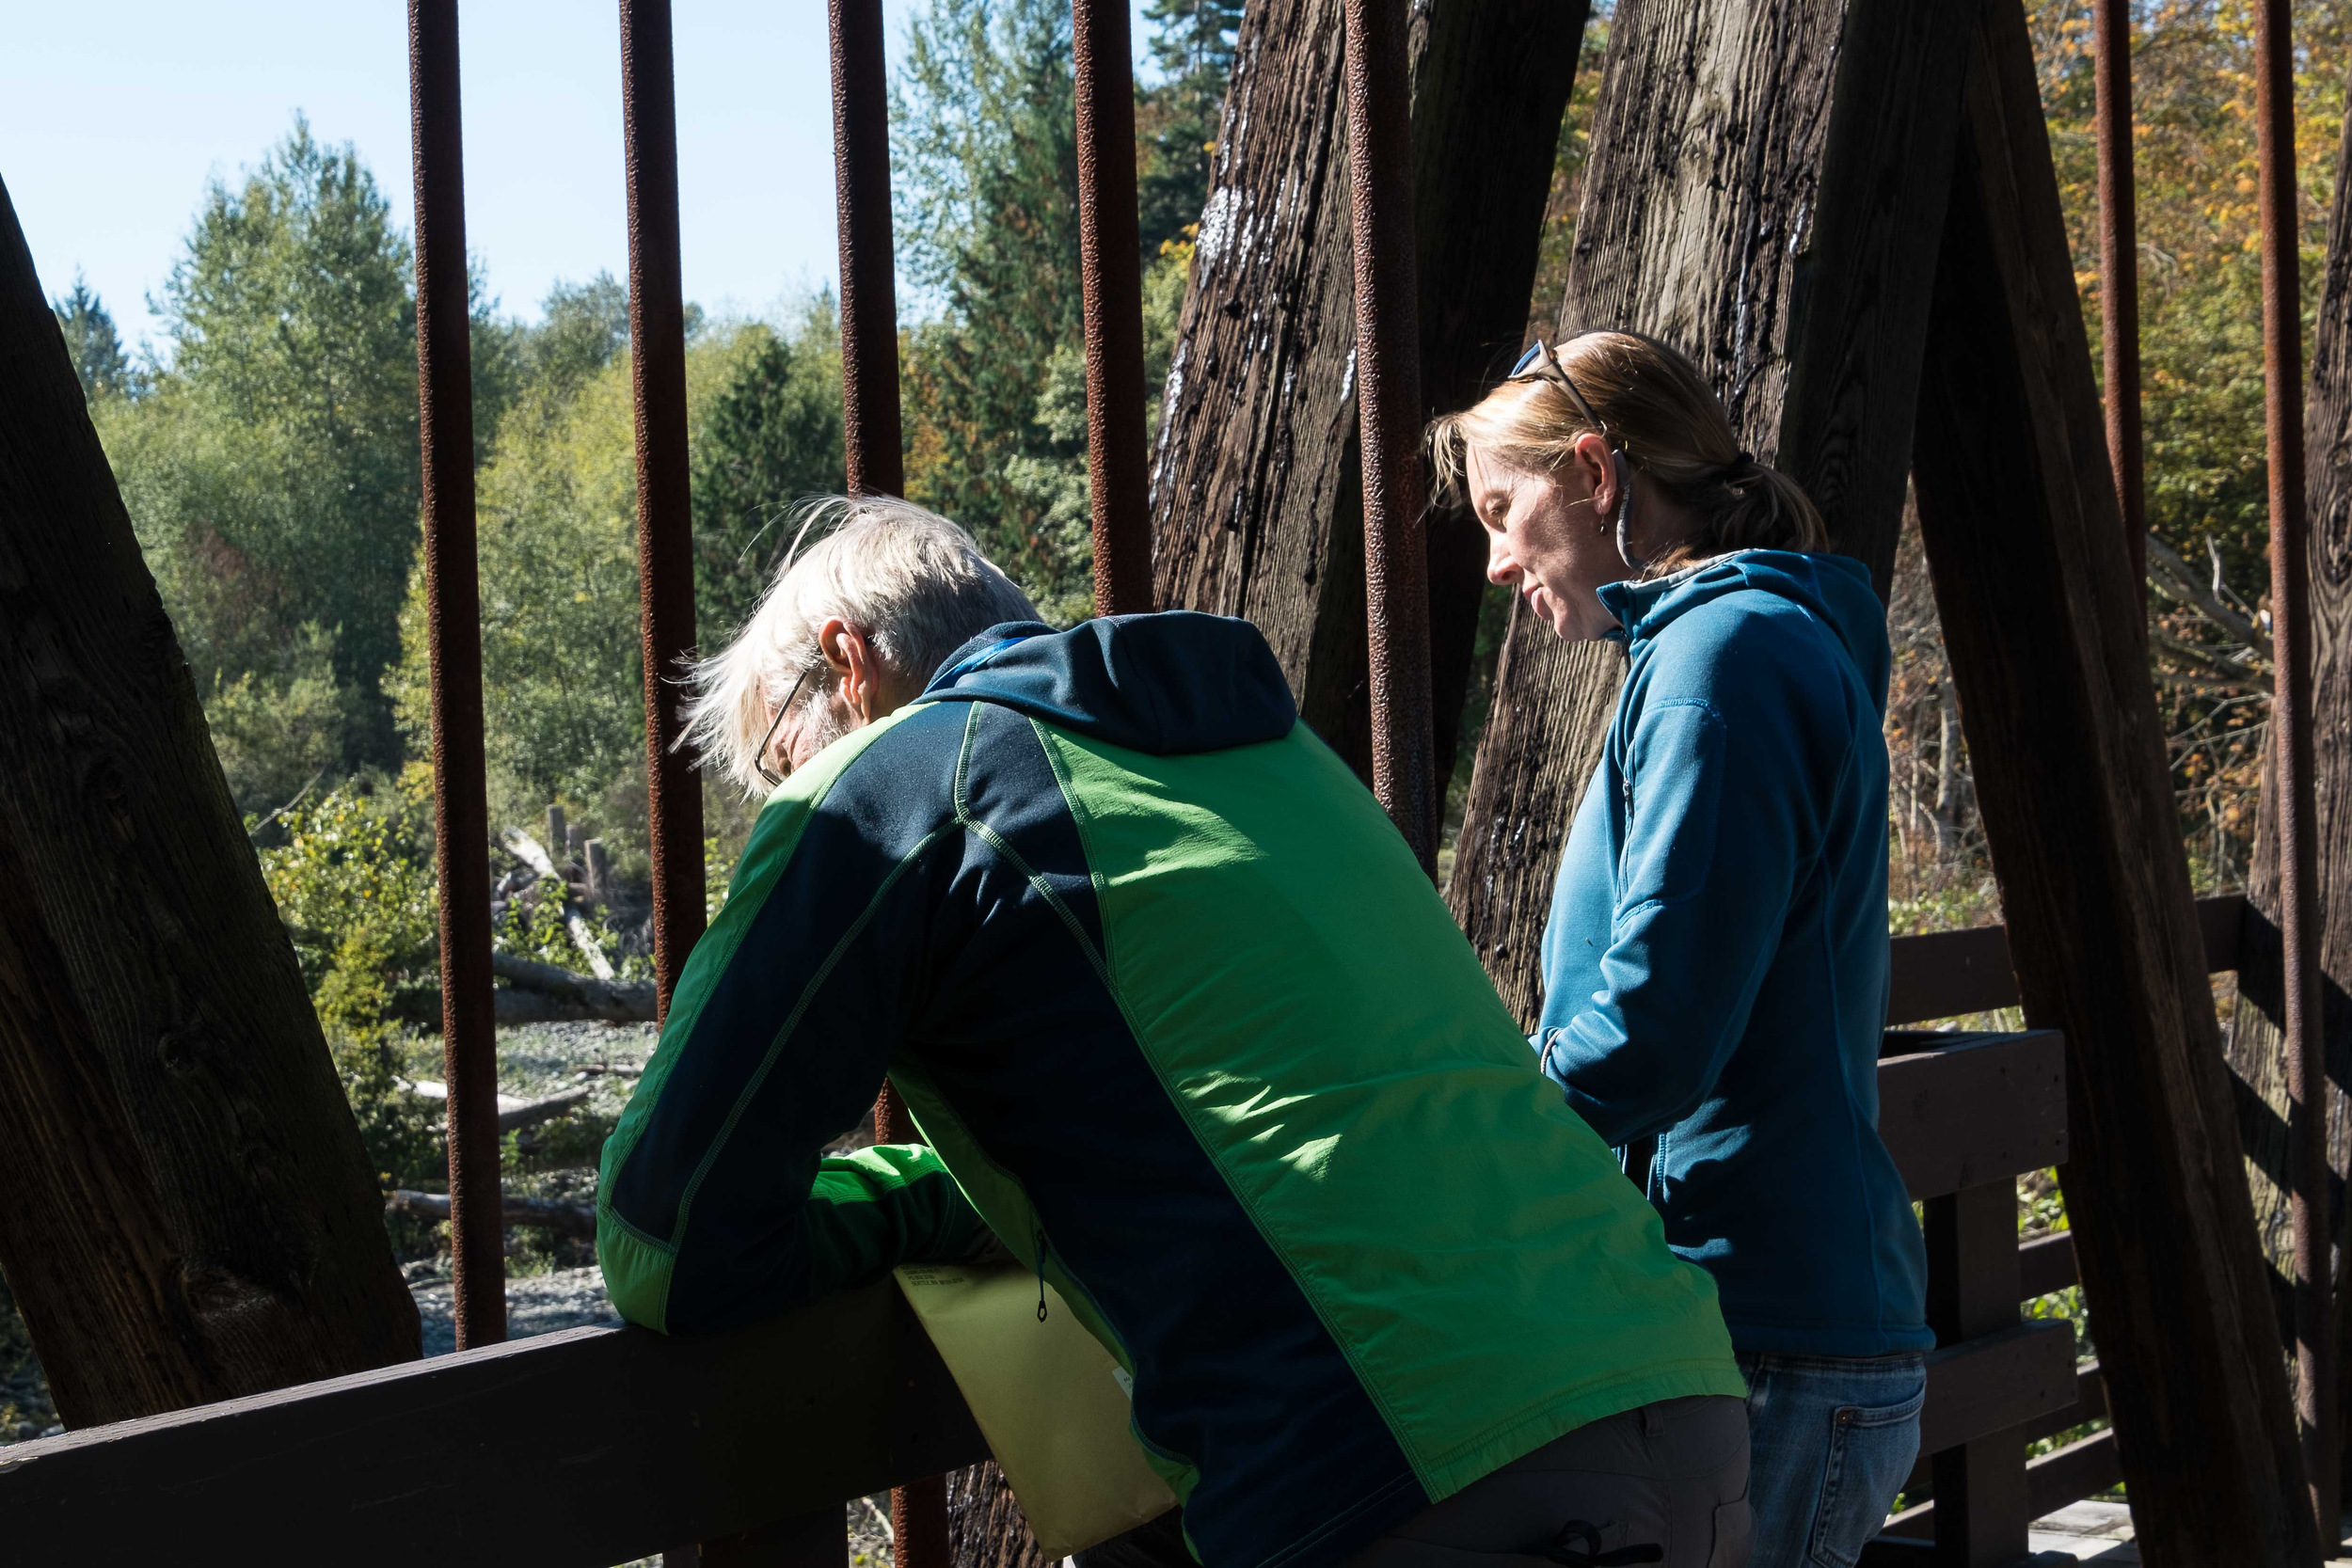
(1047,1396)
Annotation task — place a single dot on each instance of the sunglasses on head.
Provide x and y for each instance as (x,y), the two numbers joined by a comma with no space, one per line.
(1540,364)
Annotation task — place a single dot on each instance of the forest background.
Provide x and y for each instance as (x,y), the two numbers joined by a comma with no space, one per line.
(266,449)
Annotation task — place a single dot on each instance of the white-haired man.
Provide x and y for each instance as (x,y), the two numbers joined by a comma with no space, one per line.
(1186,1026)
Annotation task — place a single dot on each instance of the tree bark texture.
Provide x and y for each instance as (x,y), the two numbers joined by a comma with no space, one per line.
(986,1527)
(2255,1046)
(1763,191)
(190,1213)
(2041,613)
(1255,495)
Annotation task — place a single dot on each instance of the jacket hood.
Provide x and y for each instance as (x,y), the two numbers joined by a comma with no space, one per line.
(1168,684)
(1833,588)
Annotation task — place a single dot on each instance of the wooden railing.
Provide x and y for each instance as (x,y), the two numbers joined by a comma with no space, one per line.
(1986,1492)
(589,1447)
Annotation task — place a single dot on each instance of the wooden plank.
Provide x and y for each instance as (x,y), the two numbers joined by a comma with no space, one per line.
(1763,191)
(2045,1264)
(1972,1297)
(481,1456)
(1998,1381)
(1949,974)
(2091,1404)
(2042,622)
(1988,1107)
(2076,1471)
(1953,974)
(2081,1469)
(2220,921)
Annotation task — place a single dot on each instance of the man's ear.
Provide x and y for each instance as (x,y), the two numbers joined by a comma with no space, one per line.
(850,662)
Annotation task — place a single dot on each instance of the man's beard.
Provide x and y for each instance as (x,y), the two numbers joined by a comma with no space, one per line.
(826,721)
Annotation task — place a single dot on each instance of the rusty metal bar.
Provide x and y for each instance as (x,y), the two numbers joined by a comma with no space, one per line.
(918,1508)
(453,600)
(1387,403)
(1111,272)
(665,539)
(2296,806)
(2118,269)
(870,439)
(869,290)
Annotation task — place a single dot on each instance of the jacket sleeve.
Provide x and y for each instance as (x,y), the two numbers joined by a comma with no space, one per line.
(1719,819)
(716,1206)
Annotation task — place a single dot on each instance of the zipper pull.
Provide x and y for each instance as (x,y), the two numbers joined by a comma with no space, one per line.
(1038,1247)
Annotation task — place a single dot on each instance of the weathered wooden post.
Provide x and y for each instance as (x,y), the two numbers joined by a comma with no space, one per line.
(1256,487)
(2256,1043)
(2041,613)
(190,1214)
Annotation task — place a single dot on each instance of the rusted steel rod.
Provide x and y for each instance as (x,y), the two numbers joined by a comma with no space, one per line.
(1387,403)
(870,438)
(1111,272)
(869,290)
(2295,807)
(2119,269)
(453,598)
(665,539)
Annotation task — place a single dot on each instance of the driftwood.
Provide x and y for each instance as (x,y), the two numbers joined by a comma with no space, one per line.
(539,993)
(514,1113)
(531,854)
(569,1219)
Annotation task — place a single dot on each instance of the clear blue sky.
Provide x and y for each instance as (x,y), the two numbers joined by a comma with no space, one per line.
(114,113)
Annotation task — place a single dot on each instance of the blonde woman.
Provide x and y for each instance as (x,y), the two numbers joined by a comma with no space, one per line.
(1715,958)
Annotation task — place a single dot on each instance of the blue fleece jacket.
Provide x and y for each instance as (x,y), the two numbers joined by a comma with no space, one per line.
(1715,960)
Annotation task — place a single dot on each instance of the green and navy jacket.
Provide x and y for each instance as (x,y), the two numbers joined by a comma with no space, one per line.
(1183,1020)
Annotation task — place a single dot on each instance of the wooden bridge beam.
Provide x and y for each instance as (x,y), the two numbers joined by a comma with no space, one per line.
(1255,490)
(2040,615)
(189,1212)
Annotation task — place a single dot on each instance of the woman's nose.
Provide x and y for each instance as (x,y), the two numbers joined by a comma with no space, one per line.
(1501,569)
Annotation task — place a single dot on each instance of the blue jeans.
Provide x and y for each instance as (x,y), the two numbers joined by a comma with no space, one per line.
(1831,1439)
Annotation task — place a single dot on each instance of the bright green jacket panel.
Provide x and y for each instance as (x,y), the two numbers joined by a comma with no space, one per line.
(1468,1241)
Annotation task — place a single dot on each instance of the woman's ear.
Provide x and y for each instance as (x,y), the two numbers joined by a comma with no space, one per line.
(1598,467)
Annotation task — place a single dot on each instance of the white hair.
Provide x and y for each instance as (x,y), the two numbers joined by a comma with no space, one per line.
(915,584)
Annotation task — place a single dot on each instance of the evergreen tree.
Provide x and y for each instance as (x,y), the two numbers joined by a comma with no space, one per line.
(772,437)
(1176,120)
(292,336)
(984,142)
(95,346)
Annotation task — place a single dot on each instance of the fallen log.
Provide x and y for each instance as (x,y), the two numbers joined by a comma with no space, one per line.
(531,854)
(539,993)
(514,1113)
(569,1219)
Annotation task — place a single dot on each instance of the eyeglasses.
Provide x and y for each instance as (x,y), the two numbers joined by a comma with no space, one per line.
(759,759)
(1539,363)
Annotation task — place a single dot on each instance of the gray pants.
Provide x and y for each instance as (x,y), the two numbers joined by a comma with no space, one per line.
(1671,1476)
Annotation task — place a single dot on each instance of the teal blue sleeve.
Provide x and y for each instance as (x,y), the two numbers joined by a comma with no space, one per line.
(1721,813)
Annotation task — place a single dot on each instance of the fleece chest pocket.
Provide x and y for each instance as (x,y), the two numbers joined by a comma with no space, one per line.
(1673,784)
